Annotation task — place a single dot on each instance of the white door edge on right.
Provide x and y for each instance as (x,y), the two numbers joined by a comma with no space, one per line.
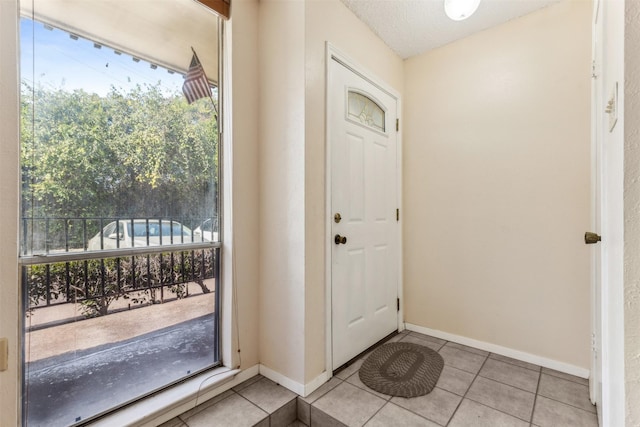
(595,381)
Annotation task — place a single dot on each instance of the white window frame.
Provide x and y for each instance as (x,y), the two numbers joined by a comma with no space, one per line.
(167,403)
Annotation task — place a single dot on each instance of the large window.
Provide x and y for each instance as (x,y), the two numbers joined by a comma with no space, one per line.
(120,241)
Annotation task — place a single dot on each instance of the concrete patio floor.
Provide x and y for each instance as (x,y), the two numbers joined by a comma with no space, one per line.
(81,369)
(120,326)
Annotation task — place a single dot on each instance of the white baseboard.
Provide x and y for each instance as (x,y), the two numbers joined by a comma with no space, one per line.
(284,381)
(296,387)
(315,384)
(504,351)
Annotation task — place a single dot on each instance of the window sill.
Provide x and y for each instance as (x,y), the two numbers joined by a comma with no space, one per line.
(175,400)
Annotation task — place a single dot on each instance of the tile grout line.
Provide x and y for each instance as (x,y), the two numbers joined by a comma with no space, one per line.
(368,390)
(204,409)
(568,404)
(254,404)
(323,394)
(565,379)
(320,397)
(539,370)
(499,410)
(510,385)
(425,339)
(439,388)
(463,347)
(486,356)
(365,390)
(535,399)
(467,391)
(376,413)
(499,382)
(551,374)
(479,403)
(330,416)
(342,381)
(295,408)
(420,415)
(536,394)
(294,398)
(387,401)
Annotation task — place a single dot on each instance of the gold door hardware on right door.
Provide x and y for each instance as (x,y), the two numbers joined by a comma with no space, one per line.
(591,238)
(4,354)
(340,239)
(337,218)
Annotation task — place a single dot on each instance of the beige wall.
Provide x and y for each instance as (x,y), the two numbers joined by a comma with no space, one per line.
(9,184)
(245,174)
(329,20)
(292,172)
(496,185)
(632,213)
(281,172)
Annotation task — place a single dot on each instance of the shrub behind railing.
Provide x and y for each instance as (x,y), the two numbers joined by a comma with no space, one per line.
(95,284)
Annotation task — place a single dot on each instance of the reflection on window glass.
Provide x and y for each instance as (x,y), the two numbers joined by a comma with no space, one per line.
(115,159)
(364,110)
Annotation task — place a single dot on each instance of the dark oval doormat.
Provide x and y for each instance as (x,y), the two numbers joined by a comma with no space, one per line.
(402,369)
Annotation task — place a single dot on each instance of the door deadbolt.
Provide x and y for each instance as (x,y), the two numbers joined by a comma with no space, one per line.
(591,238)
(340,239)
(337,218)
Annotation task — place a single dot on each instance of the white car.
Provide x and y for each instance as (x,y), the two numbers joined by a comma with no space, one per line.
(152,232)
(205,232)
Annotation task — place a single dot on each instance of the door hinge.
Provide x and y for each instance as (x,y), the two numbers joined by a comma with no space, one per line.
(397,215)
(397,125)
(398,301)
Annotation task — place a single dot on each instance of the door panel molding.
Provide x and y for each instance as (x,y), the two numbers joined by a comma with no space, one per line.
(334,56)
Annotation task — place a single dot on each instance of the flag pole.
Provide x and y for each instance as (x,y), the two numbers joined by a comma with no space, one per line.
(215,109)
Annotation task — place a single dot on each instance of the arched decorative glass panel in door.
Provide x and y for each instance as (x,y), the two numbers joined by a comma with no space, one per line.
(364,110)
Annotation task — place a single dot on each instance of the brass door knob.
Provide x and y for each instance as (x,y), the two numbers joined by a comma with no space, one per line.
(340,239)
(591,238)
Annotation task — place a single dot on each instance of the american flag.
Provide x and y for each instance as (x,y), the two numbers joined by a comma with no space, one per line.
(196,85)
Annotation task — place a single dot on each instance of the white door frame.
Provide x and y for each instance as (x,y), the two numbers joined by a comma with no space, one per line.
(331,54)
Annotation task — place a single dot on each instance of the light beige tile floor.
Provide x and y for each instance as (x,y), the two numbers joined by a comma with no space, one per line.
(475,389)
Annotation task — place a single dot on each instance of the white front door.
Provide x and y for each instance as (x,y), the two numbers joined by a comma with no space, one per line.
(364,238)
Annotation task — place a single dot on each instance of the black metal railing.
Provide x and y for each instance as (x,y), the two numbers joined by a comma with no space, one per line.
(141,279)
(97,281)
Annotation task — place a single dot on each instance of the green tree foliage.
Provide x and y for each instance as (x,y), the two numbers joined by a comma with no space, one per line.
(137,154)
(141,153)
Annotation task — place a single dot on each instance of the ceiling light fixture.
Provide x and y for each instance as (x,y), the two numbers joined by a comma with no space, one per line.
(460,9)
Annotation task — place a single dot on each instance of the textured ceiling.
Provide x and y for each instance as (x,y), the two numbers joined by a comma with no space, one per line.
(411,27)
